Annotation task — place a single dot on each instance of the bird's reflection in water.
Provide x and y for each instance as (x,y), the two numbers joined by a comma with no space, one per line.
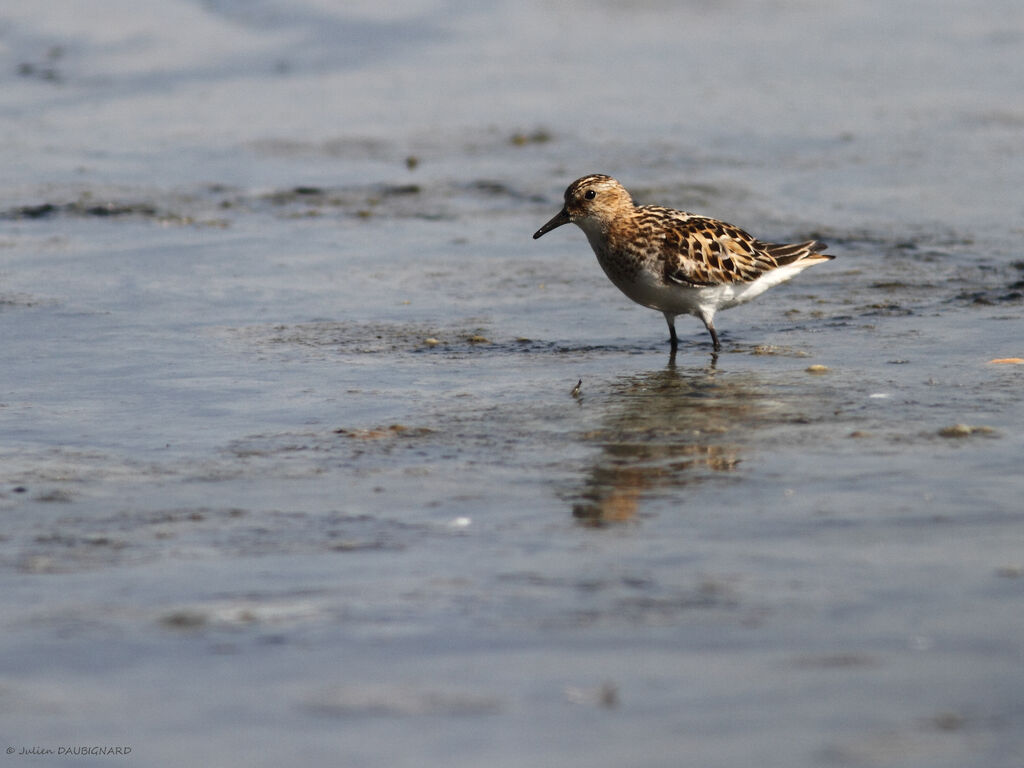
(665,429)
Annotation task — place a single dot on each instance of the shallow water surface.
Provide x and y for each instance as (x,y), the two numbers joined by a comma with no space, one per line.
(311,454)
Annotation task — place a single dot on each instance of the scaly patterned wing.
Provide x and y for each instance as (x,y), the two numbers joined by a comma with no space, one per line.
(700,251)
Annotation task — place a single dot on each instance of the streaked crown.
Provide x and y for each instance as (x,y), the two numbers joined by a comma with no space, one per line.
(596,196)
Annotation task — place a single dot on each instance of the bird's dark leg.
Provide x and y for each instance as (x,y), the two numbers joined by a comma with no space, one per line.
(714,336)
(672,338)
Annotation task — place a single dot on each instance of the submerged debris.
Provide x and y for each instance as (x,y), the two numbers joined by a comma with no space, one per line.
(56,494)
(44,69)
(400,701)
(772,349)
(79,208)
(378,433)
(965,430)
(521,139)
(605,695)
(183,619)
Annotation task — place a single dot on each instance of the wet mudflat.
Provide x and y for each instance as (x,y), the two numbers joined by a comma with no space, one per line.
(311,454)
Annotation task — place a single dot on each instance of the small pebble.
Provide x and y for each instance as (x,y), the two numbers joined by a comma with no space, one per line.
(816,368)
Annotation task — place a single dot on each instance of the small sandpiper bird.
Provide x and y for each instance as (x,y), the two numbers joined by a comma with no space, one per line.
(676,262)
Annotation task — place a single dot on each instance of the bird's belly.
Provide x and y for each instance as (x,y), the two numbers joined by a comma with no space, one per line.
(651,291)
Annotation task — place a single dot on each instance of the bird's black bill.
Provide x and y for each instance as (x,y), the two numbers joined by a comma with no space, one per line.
(560,218)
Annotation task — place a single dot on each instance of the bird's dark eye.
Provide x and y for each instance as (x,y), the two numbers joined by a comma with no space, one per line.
(589,194)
